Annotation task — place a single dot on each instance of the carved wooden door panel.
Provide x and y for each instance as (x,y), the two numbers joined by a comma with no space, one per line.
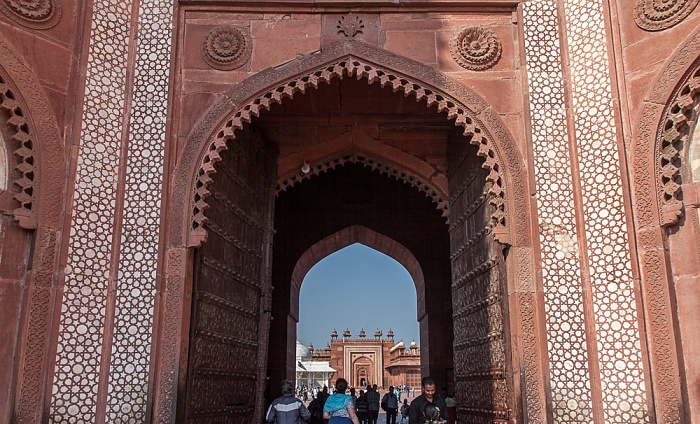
(478,280)
(231,276)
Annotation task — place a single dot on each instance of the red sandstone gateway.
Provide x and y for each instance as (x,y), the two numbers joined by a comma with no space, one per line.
(532,165)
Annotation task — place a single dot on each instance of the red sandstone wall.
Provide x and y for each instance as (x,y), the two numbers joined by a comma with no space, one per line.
(14,251)
(648,69)
(280,36)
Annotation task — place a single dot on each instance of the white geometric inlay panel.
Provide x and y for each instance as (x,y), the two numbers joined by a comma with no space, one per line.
(614,304)
(561,266)
(90,249)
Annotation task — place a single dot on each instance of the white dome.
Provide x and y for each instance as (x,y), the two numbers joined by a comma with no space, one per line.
(303,353)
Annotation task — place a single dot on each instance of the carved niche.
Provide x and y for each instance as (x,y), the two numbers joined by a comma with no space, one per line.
(36,14)
(476,48)
(656,15)
(226,48)
(673,138)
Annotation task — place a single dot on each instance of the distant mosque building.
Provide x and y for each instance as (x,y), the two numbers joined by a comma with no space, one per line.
(364,361)
(311,373)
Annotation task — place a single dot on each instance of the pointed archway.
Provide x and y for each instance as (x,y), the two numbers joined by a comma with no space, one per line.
(500,207)
(280,365)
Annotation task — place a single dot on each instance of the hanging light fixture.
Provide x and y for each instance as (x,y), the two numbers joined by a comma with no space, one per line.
(306,167)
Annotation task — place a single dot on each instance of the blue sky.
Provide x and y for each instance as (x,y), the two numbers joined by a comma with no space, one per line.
(357,287)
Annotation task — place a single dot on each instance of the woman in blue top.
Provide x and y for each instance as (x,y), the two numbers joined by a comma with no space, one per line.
(339,407)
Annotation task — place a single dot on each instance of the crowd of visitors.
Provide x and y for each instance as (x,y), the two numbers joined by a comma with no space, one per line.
(340,407)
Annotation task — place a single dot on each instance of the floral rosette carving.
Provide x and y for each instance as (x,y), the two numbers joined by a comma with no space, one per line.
(656,15)
(36,14)
(476,48)
(226,48)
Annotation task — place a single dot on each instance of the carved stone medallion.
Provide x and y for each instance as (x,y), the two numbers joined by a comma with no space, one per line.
(476,48)
(350,25)
(655,15)
(36,14)
(226,48)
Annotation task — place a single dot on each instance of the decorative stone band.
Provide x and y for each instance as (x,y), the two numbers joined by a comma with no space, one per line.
(674,134)
(226,48)
(476,48)
(35,14)
(657,15)
(348,66)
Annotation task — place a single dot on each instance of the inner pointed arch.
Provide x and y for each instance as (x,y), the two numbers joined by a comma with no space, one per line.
(367,237)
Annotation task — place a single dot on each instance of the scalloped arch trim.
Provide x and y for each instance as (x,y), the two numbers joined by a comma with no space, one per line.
(367,161)
(348,65)
(24,161)
(674,135)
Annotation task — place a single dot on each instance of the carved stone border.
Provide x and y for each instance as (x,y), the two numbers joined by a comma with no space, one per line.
(652,211)
(36,126)
(348,58)
(672,141)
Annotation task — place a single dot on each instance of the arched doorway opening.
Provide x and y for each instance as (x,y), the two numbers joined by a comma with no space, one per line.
(474,251)
(378,295)
(360,196)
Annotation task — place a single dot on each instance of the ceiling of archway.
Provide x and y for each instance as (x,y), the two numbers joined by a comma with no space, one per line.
(348,117)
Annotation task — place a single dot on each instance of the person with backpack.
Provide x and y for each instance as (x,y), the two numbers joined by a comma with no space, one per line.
(390,404)
(287,409)
(404,412)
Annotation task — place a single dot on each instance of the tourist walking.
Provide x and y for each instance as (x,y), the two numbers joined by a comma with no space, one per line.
(404,412)
(361,406)
(339,407)
(415,411)
(287,409)
(316,409)
(373,401)
(392,405)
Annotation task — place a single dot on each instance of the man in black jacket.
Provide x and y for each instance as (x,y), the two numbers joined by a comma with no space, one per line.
(287,409)
(415,411)
(373,407)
